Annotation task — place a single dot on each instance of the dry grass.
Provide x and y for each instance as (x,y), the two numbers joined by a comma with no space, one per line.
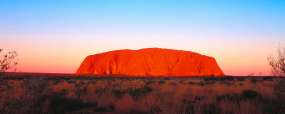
(58,95)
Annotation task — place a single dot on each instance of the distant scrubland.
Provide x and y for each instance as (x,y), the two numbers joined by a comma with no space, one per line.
(228,95)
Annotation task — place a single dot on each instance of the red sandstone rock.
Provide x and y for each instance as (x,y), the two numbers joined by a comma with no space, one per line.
(150,62)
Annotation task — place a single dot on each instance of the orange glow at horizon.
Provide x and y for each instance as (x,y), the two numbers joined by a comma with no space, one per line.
(38,53)
(53,62)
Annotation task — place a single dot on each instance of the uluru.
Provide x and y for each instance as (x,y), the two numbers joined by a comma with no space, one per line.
(150,62)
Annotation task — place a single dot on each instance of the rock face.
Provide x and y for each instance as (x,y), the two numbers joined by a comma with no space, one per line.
(150,62)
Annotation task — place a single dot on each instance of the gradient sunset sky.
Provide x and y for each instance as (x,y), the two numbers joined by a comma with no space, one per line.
(56,35)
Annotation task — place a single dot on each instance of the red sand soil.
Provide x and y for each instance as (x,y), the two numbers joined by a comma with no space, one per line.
(150,62)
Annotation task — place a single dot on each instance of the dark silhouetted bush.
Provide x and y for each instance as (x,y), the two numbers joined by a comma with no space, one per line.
(161,81)
(227,78)
(211,109)
(245,95)
(267,78)
(187,107)
(118,93)
(155,110)
(254,80)
(200,98)
(139,92)
(60,104)
(137,112)
(109,108)
(249,94)
(100,91)
(273,107)
(230,97)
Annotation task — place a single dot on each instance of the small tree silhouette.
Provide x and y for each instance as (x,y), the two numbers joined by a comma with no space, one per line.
(7,60)
(277,63)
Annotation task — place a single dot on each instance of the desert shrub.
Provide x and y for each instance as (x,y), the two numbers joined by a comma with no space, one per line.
(254,80)
(227,83)
(227,80)
(200,98)
(148,82)
(249,94)
(277,63)
(74,82)
(191,83)
(64,91)
(230,97)
(211,79)
(139,92)
(201,83)
(118,93)
(162,81)
(109,108)
(172,83)
(81,90)
(271,106)
(15,104)
(279,89)
(56,81)
(187,107)
(245,95)
(267,78)
(240,78)
(60,104)
(100,91)
(211,109)
(36,86)
(155,110)
(137,112)
(181,81)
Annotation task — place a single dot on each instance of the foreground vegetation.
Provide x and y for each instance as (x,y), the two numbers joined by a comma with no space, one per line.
(58,95)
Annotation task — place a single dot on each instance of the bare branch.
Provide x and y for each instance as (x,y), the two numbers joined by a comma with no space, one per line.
(278,63)
(8,60)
